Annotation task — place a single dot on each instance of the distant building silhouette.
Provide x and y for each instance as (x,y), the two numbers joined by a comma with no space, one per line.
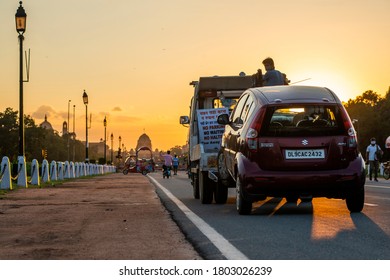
(65,128)
(144,141)
(46,125)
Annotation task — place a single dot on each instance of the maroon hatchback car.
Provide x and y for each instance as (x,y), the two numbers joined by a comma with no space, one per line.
(296,142)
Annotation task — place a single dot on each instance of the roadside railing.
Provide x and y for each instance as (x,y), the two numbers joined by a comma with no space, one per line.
(55,171)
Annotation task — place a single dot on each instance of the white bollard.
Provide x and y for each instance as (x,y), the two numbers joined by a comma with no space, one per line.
(81,169)
(45,171)
(71,170)
(53,170)
(22,172)
(5,174)
(35,173)
(66,170)
(87,169)
(60,171)
(76,169)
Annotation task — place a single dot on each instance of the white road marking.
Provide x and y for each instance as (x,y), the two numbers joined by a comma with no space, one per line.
(377,187)
(371,204)
(222,244)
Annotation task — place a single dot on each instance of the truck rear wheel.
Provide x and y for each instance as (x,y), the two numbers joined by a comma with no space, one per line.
(195,185)
(206,188)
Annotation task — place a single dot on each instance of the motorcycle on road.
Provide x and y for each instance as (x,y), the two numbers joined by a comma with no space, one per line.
(386,170)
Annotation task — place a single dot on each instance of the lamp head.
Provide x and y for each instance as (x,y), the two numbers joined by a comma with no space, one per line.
(20,19)
(85,98)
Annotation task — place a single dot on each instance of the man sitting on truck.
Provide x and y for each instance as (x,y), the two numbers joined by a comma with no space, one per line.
(273,77)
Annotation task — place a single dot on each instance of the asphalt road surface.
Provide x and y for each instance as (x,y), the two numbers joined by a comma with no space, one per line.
(277,230)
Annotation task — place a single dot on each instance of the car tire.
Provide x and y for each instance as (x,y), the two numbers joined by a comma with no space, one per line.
(224,175)
(386,174)
(221,193)
(244,207)
(206,188)
(195,185)
(144,172)
(125,171)
(355,199)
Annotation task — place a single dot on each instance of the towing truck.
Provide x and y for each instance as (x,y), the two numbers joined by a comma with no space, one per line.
(212,96)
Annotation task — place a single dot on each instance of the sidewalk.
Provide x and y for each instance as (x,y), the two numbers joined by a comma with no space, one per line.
(111,217)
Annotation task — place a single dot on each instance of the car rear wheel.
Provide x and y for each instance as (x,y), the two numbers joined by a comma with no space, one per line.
(244,207)
(224,175)
(355,199)
(206,188)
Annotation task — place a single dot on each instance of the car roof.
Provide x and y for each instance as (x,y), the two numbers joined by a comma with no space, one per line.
(288,94)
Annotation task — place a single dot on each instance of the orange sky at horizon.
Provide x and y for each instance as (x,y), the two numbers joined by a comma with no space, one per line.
(135,59)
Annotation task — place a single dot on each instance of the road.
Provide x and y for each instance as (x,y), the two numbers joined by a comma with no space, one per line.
(277,230)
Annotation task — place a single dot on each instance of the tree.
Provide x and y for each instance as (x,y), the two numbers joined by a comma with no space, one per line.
(37,139)
(9,133)
(370,111)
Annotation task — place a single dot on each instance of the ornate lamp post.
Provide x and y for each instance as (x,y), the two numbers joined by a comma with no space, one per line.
(74,133)
(105,133)
(85,100)
(119,149)
(112,148)
(20,20)
(68,130)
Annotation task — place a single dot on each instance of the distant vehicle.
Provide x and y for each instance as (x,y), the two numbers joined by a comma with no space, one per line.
(134,164)
(292,142)
(212,96)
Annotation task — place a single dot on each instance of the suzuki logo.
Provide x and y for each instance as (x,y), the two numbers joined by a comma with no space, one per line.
(305,142)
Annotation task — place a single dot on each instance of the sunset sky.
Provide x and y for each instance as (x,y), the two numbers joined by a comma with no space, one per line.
(135,59)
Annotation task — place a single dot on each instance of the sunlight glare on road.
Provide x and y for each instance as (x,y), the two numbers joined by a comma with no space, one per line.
(328,224)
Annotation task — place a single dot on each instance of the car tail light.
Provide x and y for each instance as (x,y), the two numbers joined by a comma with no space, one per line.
(352,137)
(252,134)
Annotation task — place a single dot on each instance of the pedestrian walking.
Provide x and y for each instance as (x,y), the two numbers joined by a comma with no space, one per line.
(175,164)
(373,156)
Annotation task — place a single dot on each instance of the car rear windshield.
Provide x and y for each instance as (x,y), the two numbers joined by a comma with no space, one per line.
(302,120)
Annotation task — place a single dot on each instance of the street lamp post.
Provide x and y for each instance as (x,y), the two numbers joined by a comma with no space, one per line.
(85,100)
(112,148)
(119,152)
(74,133)
(20,20)
(105,133)
(68,131)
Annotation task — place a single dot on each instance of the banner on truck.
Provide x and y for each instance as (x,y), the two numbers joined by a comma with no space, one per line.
(210,132)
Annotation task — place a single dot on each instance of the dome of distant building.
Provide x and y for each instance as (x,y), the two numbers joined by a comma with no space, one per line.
(144,141)
(46,125)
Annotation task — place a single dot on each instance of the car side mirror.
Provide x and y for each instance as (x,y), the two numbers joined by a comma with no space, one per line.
(223,119)
(184,120)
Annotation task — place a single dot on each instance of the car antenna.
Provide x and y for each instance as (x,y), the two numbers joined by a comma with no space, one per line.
(300,81)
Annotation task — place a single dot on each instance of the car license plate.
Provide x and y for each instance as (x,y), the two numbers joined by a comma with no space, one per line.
(305,154)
